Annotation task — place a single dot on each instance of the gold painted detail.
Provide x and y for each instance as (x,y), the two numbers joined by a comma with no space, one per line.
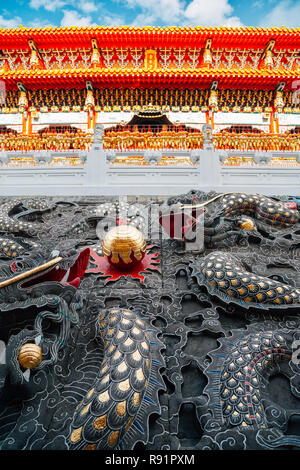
(90,447)
(113,438)
(100,423)
(76,435)
(136,355)
(136,398)
(128,342)
(122,367)
(103,397)
(247,224)
(21,276)
(129,424)
(117,355)
(30,355)
(85,409)
(136,331)
(121,408)
(124,386)
(139,374)
(121,241)
(105,379)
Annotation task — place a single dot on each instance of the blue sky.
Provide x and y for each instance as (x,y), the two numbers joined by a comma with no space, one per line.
(36,13)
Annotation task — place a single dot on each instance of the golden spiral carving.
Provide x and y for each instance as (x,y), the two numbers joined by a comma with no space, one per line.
(30,356)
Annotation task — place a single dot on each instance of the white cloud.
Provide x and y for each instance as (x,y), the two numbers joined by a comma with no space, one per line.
(16,21)
(10,23)
(111,20)
(178,12)
(211,13)
(73,18)
(257,4)
(38,23)
(49,5)
(153,10)
(285,13)
(86,6)
(144,19)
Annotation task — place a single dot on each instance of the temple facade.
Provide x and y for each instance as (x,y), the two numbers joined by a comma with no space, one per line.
(168,321)
(57,84)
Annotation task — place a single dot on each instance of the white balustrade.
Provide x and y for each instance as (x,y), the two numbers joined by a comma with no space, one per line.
(112,172)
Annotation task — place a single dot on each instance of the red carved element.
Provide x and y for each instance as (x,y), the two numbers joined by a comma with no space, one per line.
(105,269)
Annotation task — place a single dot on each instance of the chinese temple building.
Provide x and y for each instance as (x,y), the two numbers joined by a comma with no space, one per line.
(149,241)
(58,83)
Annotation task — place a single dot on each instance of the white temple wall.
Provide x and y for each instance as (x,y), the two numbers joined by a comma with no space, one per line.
(109,119)
(288,121)
(194,119)
(223,120)
(14,121)
(189,118)
(78,120)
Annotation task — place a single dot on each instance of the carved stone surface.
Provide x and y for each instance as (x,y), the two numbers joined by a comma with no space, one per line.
(98,134)
(223,374)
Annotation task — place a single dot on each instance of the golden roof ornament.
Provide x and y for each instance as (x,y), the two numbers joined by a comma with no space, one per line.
(90,100)
(150,61)
(23,101)
(95,54)
(213,100)
(207,57)
(278,103)
(151,111)
(269,59)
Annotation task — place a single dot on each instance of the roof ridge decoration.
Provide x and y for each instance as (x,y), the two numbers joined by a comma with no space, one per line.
(154,54)
(283,29)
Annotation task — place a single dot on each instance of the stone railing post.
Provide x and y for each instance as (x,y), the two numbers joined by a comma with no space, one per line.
(4,158)
(96,164)
(42,157)
(152,156)
(262,158)
(209,164)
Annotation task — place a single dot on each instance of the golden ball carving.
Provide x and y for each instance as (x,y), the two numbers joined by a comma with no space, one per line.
(247,224)
(30,355)
(124,246)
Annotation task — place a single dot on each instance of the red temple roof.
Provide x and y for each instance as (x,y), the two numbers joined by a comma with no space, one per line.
(127,36)
(287,42)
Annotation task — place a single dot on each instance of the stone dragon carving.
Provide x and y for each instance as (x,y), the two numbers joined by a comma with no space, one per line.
(113,411)
(53,293)
(10,212)
(109,213)
(126,385)
(225,277)
(238,377)
(225,213)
